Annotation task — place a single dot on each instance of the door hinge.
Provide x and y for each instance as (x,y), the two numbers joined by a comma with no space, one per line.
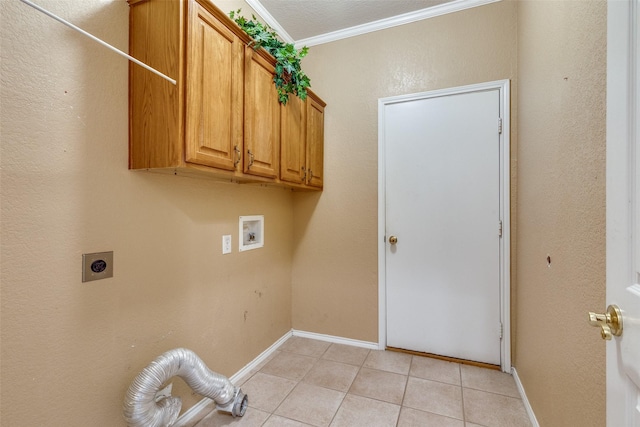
(500,228)
(499,125)
(501,330)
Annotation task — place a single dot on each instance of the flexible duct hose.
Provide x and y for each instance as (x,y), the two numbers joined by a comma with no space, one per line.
(141,409)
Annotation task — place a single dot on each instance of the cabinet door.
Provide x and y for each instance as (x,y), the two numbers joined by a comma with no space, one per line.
(261,117)
(155,107)
(293,147)
(213,130)
(315,142)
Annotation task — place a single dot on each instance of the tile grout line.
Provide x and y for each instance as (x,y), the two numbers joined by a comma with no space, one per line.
(464,417)
(343,397)
(340,405)
(404,393)
(317,359)
(301,380)
(272,413)
(347,392)
(493,392)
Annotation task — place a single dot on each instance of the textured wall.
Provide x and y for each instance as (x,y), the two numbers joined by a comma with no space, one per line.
(335,270)
(561,213)
(71,349)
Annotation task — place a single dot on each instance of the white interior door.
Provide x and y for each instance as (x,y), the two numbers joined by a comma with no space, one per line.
(623,210)
(442,168)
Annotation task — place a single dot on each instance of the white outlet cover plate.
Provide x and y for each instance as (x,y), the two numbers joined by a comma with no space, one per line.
(226,244)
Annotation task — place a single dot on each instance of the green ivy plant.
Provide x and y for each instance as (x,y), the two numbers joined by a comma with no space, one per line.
(289,78)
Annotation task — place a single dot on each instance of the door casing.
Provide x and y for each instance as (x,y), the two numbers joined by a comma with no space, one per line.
(623,142)
(503,86)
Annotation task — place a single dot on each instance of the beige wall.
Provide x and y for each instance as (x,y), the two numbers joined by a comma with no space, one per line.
(557,167)
(71,349)
(561,212)
(335,269)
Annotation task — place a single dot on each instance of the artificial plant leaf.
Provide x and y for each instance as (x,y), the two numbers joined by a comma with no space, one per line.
(289,77)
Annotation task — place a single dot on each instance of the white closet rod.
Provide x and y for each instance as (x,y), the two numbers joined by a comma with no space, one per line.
(103,43)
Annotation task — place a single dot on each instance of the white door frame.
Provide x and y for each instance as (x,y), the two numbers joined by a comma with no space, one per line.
(505,208)
(623,106)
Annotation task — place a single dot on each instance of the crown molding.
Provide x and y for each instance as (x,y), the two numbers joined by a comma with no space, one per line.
(270,20)
(394,21)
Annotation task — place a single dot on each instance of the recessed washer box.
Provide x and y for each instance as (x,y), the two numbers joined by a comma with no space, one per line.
(251,232)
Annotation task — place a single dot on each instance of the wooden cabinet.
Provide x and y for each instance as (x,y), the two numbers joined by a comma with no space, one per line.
(261,116)
(214,90)
(293,141)
(222,119)
(315,141)
(155,107)
(302,141)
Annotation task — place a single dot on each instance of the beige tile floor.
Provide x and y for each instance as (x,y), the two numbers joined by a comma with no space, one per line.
(315,383)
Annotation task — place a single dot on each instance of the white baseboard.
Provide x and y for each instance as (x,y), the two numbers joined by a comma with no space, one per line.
(523,395)
(336,340)
(258,360)
(194,414)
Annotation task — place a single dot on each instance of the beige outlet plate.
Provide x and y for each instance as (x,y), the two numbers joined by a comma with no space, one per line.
(96,266)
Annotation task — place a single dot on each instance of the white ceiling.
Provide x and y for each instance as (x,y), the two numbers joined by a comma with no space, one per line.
(311,22)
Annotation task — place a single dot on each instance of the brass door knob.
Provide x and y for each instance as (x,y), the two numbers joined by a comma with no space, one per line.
(393,240)
(610,323)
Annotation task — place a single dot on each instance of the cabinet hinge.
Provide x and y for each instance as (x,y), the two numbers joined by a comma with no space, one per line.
(500,125)
(500,228)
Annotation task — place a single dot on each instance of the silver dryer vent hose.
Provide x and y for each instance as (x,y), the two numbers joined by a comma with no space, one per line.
(141,408)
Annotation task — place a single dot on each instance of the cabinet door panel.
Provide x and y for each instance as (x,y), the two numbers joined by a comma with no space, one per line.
(292,141)
(262,117)
(315,143)
(214,93)
(155,111)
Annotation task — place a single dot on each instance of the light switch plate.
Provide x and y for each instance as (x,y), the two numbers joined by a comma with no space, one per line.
(96,266)
(226,244)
